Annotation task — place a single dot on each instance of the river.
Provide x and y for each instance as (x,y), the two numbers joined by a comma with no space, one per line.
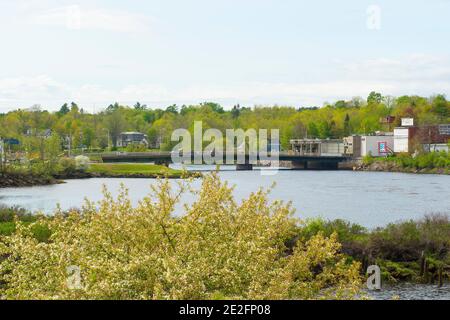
(370,199)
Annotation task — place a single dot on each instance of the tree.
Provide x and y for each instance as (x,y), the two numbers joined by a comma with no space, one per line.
(139,106)
(340,104)
(357,102)
(172,109)
(389,101)
(441,106)
(236,111)
(63,110)
(215,107)
(52,152)
(74,107)
(115,123)
(298,130)
(113,107)
(313,131)
(374,97)
(88,137)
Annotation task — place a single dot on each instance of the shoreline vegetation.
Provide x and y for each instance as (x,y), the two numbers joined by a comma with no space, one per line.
(220,240)
(411,251)
(422,163)
(20,177)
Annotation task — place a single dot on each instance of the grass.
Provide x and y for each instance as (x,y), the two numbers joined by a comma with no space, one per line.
(134,169)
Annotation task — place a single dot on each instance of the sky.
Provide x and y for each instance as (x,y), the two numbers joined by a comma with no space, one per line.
(251,52)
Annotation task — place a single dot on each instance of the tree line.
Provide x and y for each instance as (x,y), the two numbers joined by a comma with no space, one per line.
(76,128)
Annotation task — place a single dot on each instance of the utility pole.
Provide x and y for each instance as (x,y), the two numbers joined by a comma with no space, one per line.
(2,155)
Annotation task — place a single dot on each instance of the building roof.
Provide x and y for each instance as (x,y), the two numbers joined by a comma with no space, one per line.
(131,132)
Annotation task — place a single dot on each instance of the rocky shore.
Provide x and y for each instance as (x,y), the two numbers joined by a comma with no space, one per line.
(384,166)
(26,180)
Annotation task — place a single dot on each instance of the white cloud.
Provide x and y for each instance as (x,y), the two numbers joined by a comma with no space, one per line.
(76,17)
(415,67)
(417,74)
(15,91)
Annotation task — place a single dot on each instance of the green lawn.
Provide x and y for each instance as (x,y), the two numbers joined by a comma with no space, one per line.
(120,169)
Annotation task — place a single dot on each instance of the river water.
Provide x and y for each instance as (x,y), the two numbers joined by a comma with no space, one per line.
(368,198)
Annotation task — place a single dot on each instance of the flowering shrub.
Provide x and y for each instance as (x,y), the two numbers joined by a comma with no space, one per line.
(216,249)
(82,163)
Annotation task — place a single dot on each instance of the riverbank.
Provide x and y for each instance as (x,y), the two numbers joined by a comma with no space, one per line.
(383,166)
(425,163)
(98,170)
(414,251)
(126,170)
(14,180)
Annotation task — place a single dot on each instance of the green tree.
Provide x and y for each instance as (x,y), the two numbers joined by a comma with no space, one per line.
(374,97)
(63,110)
(115,123)
(139,106)
(441,106)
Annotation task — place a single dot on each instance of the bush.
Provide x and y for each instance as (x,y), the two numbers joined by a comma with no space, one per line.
(368,159)
(345,230)
(406,241)
(429,160)
(400,244)
(7,214)
(67,165)
(217,248)
(82,163)
(134,147)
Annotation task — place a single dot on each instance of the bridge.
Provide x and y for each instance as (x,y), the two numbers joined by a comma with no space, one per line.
(299,160)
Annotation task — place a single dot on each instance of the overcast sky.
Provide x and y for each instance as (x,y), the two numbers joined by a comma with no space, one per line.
(287,52)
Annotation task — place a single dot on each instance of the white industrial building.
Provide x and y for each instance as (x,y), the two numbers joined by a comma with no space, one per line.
(401,140)
(377,146)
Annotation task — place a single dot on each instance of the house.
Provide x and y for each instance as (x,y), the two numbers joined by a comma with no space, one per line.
(47,133)
(127,138)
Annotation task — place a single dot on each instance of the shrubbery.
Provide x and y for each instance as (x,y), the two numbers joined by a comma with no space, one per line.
(429,160)
(136,147)
(82,163)
(216,249)
(67,165)
(397,247)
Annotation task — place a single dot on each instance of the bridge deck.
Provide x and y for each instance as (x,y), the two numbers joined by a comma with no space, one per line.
(167,156)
